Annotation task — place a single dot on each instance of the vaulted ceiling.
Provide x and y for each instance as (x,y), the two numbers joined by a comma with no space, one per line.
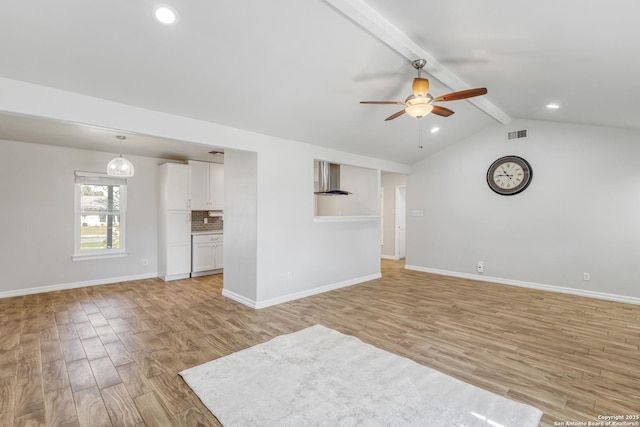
(298,69)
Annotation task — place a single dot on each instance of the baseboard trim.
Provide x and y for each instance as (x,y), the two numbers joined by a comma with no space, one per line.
(239,298)
(206,273)
(530,285)
(74,285)
(395,258)
(176,277)
(297,295)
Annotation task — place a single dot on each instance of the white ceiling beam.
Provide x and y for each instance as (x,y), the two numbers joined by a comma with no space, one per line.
(368,18)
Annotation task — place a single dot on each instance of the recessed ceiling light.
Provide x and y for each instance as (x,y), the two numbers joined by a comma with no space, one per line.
(552,106)
(434,130)
(165,15)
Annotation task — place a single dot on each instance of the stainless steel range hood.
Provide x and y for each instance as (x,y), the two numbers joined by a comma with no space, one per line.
(329,180)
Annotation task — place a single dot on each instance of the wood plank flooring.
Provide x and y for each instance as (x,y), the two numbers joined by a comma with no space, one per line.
(110,355)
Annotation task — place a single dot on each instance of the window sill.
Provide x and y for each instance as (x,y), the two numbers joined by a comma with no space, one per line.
(88,257)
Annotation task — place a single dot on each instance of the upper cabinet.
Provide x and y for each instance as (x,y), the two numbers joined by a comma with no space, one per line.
(216,186)
(174,185)
(207,186)
(199,185)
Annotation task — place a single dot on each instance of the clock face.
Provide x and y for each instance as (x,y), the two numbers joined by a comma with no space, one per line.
(509,175)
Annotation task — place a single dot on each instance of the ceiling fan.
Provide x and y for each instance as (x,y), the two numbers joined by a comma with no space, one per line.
(420,103)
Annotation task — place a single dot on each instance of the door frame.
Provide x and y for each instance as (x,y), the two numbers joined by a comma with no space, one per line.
(397,222)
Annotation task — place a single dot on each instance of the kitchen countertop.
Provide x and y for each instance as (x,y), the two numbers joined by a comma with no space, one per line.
(197,233)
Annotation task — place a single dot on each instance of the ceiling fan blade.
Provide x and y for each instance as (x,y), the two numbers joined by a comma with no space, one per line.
(393,116)
(463,94)
(382,102)
(442,111)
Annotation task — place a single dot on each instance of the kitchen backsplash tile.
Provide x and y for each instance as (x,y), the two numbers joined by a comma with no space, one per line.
(215,223)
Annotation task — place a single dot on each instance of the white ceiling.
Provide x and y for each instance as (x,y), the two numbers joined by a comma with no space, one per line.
(298,69)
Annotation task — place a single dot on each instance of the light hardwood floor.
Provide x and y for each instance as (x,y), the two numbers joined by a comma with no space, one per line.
(110,355)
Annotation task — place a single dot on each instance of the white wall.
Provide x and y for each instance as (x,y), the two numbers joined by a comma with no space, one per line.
(389,183)
(318,256)
(241,225)
(580,214)
(37,218)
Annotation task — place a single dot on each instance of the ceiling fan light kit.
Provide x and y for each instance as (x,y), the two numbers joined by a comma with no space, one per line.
(420,86)
(418,106)
(420,103)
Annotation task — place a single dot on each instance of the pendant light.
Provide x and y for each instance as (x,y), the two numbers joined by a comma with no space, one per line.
(120,166)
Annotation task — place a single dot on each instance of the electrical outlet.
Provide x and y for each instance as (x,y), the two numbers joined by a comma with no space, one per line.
(145,262)
(206,220)
(289,275)
(480,267)
(586,277)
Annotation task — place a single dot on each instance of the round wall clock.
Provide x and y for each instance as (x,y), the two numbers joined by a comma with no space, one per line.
(509,175)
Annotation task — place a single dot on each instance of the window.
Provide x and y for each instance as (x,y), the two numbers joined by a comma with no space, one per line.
(100,212)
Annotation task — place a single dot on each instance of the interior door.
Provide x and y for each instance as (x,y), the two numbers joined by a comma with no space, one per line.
(401,221)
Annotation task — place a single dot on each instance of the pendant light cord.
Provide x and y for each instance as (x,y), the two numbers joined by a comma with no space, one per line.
(121,138)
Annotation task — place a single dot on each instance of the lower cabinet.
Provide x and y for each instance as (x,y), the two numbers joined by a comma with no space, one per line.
(178,259)
(218,256)
(206,254)
(174,261)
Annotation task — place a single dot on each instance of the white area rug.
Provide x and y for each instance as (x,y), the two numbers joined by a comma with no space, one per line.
(320,377)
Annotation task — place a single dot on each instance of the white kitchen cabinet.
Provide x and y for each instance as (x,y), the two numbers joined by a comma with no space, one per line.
(178,261)
(175,186)
(199,185)
(174,234)
(216,186)
(206,186)
(206,254)
(178,226)
(218,256)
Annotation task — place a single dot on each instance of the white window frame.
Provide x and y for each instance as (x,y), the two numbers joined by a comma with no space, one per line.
(93,178)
